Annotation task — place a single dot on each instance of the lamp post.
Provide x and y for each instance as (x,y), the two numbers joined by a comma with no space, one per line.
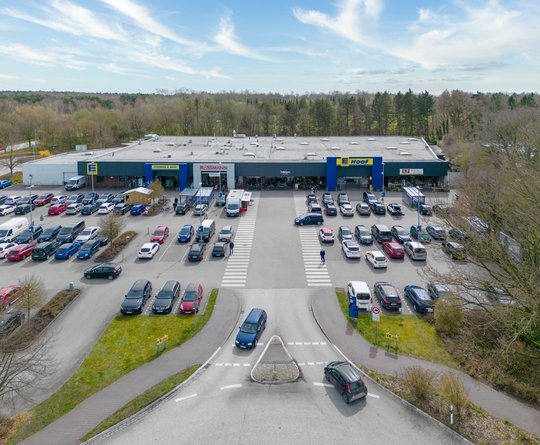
(29,188)
(92,179)
(199,202)
(382,173)
(219,177)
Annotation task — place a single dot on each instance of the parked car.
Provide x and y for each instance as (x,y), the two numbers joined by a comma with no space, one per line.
(58,199)
(136,297)
(420,234)
(148,250)
(57,209)
(387,295)
(9,321)
(346,379)
(138,209)
(165,298)
(197,251)
(394,250)
(30,235)
(43,251)
(219,249)
(160,234)
(330,209)
(308,218)
(88,249)
(89,209)
(351,249)
(442,209)
(121,208)
(369,197)
(377,259)
(425,210)
(103,240)
(118,198)
(363,235)
(400,234)
(3,199)
(107,197)
(28,200)
(105,208)
(455,250)
(314,207)
(327,198)
(186,233)
(415,250)
(311,198)
(436,232)
(377,207)
(49,234)
(6,209)
(103,270)
(20,252)
(77,198)
(345,233)
(5,248)
(23,209)
(419,298)
(346,210)
(457,234)
(226,234)
(90,198)
(326,235)
(65,251)
(394,209)
(74,208)
(89,233)
(342,198)
(436,291)
(200,209)
(500,296)
(13,200)
(191,300)
(5,183)
(363,209)
(251,329)
(183,207)
(9,295)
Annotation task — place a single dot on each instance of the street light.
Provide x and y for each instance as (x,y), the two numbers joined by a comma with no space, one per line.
(219,177)
(382,173)
(92,177)
(29,188)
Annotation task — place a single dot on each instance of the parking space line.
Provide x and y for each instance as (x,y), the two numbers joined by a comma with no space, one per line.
(166,249)
(185,398)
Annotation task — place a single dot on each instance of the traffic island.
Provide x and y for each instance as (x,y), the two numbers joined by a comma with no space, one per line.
(275,365)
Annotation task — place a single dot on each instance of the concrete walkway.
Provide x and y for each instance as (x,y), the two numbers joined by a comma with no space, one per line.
(80,420)
(341,333)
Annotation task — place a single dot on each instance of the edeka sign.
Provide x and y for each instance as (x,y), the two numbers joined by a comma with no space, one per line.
(165,167)
(351,162)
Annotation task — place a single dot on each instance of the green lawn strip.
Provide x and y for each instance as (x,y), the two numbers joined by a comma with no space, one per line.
(127,343)
(142,400)
(416,337)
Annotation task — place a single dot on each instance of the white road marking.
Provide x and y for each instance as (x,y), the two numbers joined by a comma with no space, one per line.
(311,363)
(375,396)
(236,385)
(328,385)
(236,364)
(247,364)
(167,248)
(185,398)
(301,364)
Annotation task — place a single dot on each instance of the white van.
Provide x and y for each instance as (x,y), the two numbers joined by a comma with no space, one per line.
(10,229)
(415,250)
(75,183)
(206,230)
(360,291)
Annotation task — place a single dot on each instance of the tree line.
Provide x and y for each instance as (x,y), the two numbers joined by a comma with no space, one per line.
(59,121)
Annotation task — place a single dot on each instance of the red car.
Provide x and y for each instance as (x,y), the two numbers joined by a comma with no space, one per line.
(41,200)
(56,209)
(160,234)
(9,295)
(191,300)
(20,252)
(394,250)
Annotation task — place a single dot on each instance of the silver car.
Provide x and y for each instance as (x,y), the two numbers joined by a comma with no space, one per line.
(351,249)
(226,234)
(200,209)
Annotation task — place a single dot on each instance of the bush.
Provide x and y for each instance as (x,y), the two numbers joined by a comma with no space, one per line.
(452,392)
(419,383)
(116,246)
(448,315)
(44,153)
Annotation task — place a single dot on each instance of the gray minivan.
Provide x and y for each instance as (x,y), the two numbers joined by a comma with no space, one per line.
(381,233)
(309,218)
(68,234)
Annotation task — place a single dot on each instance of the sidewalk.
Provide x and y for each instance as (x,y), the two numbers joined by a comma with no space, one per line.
(330,319)
(69,428)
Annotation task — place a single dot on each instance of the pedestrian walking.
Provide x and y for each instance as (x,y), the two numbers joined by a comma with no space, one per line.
(323,255)
(231,247)
(175,204)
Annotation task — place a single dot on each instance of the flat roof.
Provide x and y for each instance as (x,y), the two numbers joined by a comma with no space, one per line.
(255,149)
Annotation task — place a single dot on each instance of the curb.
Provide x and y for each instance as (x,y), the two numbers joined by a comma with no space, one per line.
(279,340)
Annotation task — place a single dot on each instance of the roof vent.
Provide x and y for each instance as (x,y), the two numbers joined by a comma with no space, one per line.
(170,144)
(157,150)
(404,153)
(325,139)
(391,147)
(279,139)
(304,143)
(371,139)
(87,153)
(311,154)
(280,147)
(405,142)
(335,147)
(249,154)
(355,143)
(413,139)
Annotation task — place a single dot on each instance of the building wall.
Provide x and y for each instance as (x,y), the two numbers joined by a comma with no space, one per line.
(48,174)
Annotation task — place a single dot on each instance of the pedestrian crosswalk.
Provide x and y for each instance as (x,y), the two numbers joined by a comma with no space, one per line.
(237,266)
(316,272)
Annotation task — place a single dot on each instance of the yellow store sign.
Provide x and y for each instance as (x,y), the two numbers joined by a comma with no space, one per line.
(165,167)
(351,162)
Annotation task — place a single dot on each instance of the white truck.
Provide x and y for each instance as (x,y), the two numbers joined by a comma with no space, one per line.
(234,202)
(10,229)
(75,183)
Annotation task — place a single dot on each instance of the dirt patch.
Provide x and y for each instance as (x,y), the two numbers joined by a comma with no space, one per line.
(118,244)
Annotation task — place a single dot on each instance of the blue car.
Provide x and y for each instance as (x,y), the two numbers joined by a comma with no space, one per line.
(65,251)
(420,299)
(185,234)
(88,249)
(138,209)
(5,183)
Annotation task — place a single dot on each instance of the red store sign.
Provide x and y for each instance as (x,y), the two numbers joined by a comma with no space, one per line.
(213,167)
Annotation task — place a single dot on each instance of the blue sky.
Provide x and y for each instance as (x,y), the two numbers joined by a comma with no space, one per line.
(270,46)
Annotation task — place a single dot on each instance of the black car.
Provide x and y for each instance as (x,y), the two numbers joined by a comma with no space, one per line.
(103,240)
(49,234)
(457,234)
(219,249)
(196,253)
(88,209)
(438,290)
(331,209)
(394,209)
(23,209)
(118,198)
(183,207)
(166,297)
(400,234)
(419,298)
(387,295)
(121,208)
(377,207)
(136,297)
(3,199)
(347,380)
(28,200)
(77,198)
(90,198)
(103,270)
(425,210)
(29,235)
(9,321)
(456,251)
(363,235)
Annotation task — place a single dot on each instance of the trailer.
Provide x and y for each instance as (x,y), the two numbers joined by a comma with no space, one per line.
(246,200)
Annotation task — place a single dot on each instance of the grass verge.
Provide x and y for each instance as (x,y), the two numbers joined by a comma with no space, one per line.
(416,338)
(142,400)
(126,344)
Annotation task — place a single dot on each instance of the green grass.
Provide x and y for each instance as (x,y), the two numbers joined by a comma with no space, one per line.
(127,343)
(416,337)
(142,400)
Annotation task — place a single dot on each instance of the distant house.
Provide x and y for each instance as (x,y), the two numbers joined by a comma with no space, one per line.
(139,195)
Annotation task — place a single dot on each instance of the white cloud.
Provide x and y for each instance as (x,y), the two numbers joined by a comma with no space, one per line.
(39,56)
(226,38)
(112,68)
(7,76)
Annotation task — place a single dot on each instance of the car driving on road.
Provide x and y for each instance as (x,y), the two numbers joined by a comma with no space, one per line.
(346,379)
(103,270)
(160,234)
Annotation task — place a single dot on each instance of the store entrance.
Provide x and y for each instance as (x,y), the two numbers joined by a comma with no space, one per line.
(216,180)
(168,182)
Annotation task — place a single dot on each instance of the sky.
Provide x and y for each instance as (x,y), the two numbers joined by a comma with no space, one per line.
(280,46)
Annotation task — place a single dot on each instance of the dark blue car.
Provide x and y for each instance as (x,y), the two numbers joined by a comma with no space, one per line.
(5,183)
(65,251)
(185,234)
(88,249)
(419,298)
(251,329)
(88,209)
(138,209)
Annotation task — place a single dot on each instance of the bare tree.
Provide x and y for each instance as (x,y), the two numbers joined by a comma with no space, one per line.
(32,295)
(157,190)
(111,226)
